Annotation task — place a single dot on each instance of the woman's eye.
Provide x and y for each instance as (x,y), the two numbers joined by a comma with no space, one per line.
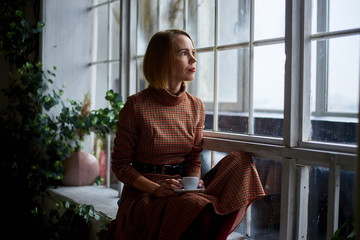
(183,53)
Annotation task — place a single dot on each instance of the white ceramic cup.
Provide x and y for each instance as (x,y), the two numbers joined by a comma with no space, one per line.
(190,183)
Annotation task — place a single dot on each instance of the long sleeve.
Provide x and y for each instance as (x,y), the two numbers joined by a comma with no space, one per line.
(194,157)
(125,144)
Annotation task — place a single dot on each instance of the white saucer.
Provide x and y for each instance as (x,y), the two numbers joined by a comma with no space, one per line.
(187,191)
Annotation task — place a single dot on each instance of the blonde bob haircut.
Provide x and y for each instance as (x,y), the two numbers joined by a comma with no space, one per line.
(159,57)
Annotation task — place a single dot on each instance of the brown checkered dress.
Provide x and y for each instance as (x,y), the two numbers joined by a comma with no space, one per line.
(156,127)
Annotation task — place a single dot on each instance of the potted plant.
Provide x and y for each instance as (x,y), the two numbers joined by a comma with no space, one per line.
(82,168)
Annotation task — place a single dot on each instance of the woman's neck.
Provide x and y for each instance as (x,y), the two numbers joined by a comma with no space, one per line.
(174,88)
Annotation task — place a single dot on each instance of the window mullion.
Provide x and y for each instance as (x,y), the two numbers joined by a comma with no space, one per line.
(303,181)
(306,72)
(288,200)
(133,86)
(333,199)
(158,16)
(251,70)
(322,53)
(185,14)
(293,46)
(108,137)
(216,104)
(292,109)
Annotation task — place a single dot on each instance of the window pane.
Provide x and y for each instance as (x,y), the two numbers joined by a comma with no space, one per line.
(102,35)
(205,76)
(335,89)
(101,86)
(347,198)
(268,90)
(203,84)
(318,200)
(146,23)
(318,197)
(269,19)
(141,81)
(201,22)
(207,162)
(233,90)
(114,77)
(344,56)
(269,78)
(171,14)
(343,14)
(114,31)
(234,21)
(265,212)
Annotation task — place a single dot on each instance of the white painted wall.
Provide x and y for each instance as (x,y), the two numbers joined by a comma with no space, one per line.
(66,44)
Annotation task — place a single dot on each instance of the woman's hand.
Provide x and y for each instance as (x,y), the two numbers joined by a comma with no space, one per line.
(201,184)
(166,188)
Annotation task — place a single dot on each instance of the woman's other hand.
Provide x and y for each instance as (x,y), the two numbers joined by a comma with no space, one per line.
(167,187)
(201,184)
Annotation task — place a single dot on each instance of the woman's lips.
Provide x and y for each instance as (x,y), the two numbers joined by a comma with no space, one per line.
(192,69)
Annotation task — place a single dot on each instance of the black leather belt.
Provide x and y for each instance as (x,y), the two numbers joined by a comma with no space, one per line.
(167,169)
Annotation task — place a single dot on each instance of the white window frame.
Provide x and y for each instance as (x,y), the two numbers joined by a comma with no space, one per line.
(107,61)
(293,150)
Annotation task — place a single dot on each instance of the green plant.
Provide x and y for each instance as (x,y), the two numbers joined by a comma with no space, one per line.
(36,141)
(70,221)
(347,231)
(101,121)
(19,36)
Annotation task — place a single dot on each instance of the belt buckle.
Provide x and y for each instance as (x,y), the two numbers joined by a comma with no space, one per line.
(164,168)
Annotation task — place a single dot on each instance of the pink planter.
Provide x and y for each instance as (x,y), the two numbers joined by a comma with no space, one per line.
(80,169)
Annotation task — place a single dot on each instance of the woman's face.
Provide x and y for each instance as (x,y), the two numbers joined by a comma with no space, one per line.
(185,61)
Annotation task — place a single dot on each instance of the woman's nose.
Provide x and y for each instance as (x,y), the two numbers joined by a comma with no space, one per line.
(192,59)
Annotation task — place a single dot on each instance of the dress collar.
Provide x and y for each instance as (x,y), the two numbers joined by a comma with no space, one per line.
(167,98)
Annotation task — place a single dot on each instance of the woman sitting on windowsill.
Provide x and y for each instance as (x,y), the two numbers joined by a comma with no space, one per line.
(159,140)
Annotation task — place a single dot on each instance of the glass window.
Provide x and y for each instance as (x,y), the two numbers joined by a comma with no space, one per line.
(147,21)
(171,14)
(242,79)
(224,58)
(204,77)
(265,212)
(201,22)
(114,34)
(335,71)
(269,19)
(102,36)
(101,85)
(233,86)
(105,66)
(269,78)
(318,201)
(234,21)
(343,78)
(338,15)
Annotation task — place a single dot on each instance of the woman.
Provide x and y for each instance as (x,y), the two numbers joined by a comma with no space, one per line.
(158,140)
